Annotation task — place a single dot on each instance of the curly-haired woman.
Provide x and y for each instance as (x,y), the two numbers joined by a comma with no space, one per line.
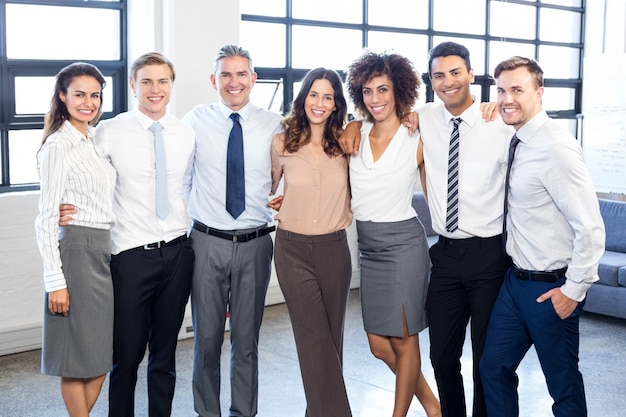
(392,242)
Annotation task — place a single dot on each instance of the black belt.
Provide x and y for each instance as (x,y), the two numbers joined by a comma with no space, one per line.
(541,276)
(163,244)
(467,242)
(232,235)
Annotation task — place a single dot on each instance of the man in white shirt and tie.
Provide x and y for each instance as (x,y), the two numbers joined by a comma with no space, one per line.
(232,244)
(555,236)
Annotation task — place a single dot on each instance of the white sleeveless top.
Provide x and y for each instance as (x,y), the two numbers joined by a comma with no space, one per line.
(382,190)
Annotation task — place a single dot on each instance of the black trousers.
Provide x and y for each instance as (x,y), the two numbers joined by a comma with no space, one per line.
(151,289)
(466,277)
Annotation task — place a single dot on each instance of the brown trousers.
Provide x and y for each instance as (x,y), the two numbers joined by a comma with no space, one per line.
(314,274)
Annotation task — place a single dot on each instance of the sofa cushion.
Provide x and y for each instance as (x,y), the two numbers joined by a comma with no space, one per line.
(621,276)
(421,207)
(614,216)
(610,264)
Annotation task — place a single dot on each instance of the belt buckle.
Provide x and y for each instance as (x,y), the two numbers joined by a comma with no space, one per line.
(243,238)
(152,246)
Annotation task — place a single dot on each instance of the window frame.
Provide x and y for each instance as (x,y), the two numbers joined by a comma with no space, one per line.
(289,74)
(10,69)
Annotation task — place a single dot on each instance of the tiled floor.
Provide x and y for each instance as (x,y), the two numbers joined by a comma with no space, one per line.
(24,392)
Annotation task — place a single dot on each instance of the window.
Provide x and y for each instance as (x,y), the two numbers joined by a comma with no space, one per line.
(34,46)
(332,34)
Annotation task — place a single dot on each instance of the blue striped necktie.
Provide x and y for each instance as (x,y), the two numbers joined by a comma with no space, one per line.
(452,213)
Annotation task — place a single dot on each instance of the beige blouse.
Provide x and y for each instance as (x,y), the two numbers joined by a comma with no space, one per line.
(316,193)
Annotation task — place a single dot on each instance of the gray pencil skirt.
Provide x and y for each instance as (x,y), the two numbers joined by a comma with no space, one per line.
(81,344)
(394,276)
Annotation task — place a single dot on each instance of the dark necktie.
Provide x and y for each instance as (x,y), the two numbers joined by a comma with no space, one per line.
(235,180)
(452,213)
(162,205)
(512,147)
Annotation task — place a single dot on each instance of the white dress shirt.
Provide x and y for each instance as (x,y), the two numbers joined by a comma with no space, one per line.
(207,202)
(382,190)
(483,154)
(554,220)
(73,171)
(129,144)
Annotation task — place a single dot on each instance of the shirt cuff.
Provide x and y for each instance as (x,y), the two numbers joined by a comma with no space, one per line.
(575,290)
(54,281)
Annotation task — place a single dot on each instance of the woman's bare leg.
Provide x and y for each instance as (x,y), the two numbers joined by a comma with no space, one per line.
(80,394)
(402,356)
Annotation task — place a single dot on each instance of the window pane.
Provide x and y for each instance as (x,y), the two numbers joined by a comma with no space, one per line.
(23,146)
(466,16)
(559,62)
(568,29)
(62,23)
(346,11)
(326,51)
(33,94)
(257,36)
(567,3)
(502,24)
(414,13)
(476,49)
(499,51)
(268,94)
(265,7)
(414,47)
(559,98)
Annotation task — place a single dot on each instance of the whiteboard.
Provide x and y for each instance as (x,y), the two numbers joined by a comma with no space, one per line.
(604,121)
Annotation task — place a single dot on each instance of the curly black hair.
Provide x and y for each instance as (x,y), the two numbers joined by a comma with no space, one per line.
(406,80)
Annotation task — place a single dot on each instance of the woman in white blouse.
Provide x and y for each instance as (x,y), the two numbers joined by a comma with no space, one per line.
(392,242)
(78,313)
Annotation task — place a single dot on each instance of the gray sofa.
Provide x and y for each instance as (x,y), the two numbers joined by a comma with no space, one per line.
(421,207)
(608,295)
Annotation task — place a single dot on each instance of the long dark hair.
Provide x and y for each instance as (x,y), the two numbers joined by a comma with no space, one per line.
(296,124)
(58,112)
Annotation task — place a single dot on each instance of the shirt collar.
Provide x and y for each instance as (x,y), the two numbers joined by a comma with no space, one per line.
(226,111)
(469,116)
(75,135)
(528,130)
(146,122)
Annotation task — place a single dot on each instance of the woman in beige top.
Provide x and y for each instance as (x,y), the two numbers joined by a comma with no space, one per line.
(312,258)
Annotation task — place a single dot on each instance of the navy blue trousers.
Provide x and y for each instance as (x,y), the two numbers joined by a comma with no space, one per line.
(517,322)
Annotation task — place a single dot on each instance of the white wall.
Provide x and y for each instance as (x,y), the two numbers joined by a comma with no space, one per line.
(197,30)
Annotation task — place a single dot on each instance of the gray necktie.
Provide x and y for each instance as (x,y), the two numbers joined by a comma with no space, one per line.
(162,205)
